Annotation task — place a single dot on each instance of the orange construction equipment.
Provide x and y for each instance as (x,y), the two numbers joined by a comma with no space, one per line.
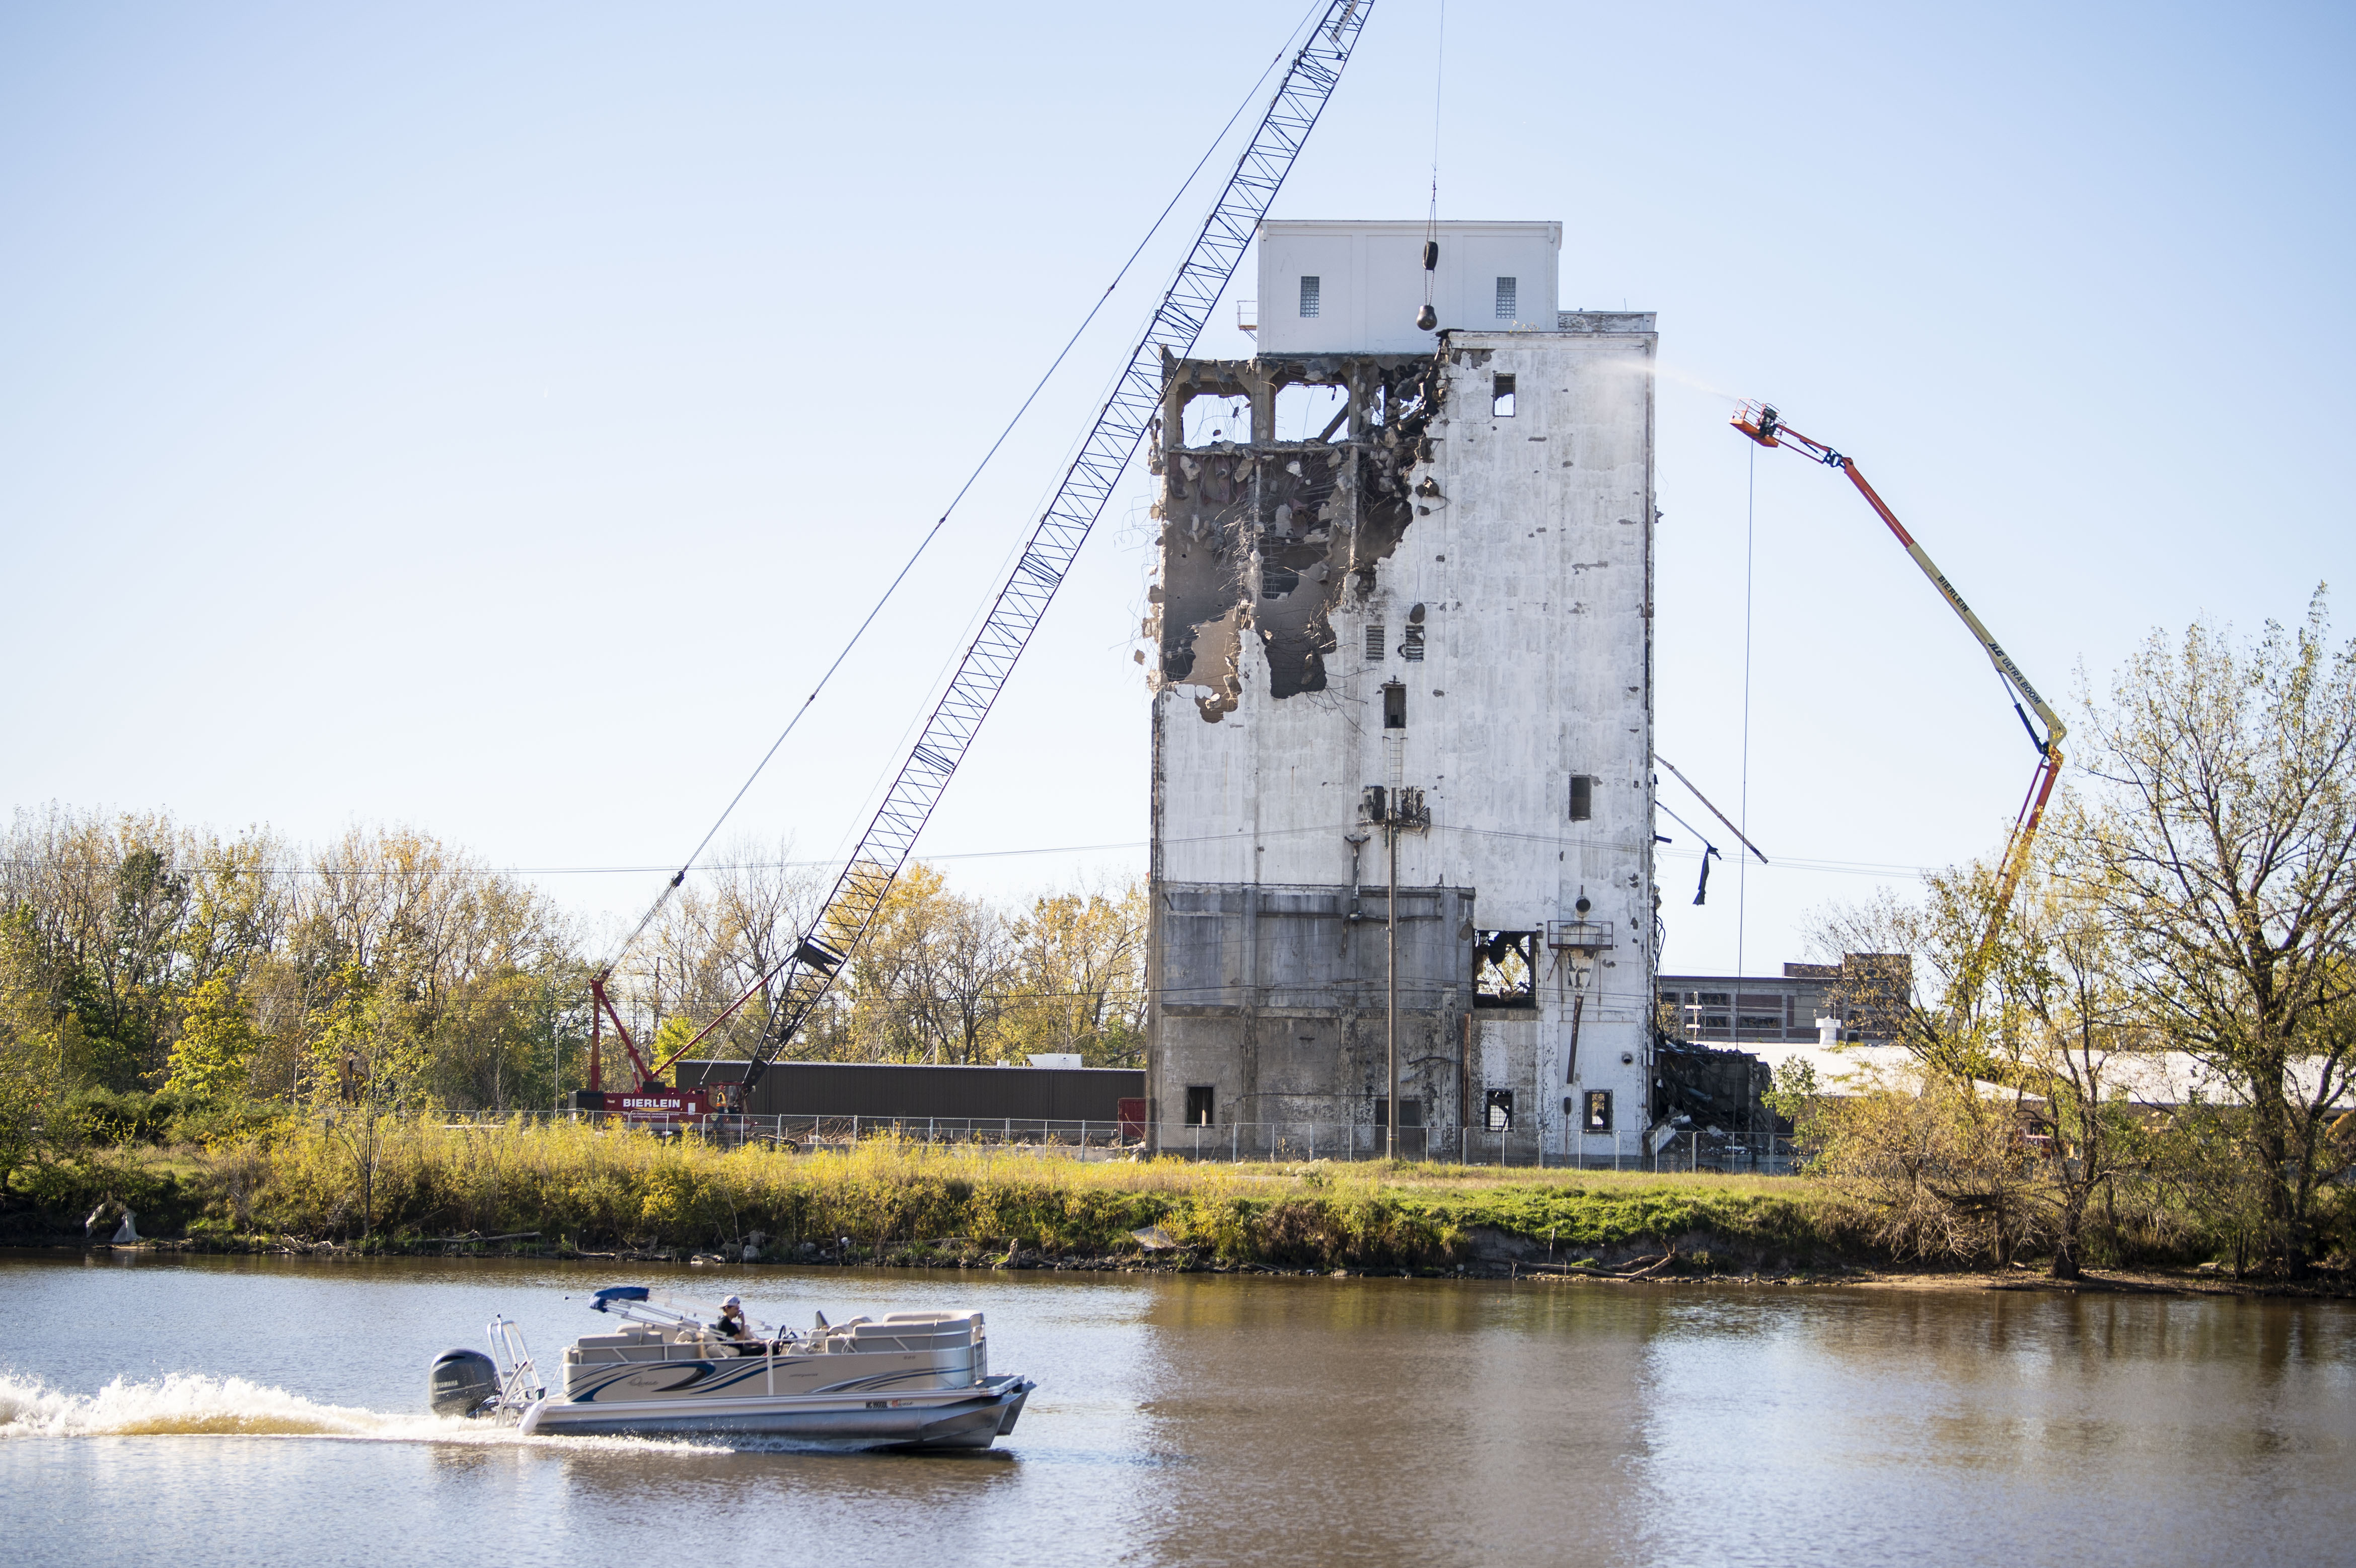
(1763,424)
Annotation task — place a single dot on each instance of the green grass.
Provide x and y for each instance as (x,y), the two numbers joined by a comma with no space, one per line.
(598,1188)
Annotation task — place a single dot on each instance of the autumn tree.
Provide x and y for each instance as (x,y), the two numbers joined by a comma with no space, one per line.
(1934,1149)
(2218,843)
(2072,1038)
(927,981)
(216,1040)
(726,933)
(103,899)
(37,1039)
(2024,1042)
(1080,981)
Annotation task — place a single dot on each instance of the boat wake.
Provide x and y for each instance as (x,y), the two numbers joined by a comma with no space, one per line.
(194,1404)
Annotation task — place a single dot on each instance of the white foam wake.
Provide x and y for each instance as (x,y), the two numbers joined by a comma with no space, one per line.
(194,1404)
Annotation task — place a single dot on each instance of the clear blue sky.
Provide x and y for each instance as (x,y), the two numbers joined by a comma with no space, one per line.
(487,417)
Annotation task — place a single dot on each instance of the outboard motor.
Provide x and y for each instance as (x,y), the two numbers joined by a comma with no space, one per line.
(461,1383)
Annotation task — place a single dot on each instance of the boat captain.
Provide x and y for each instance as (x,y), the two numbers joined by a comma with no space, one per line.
(732,1323)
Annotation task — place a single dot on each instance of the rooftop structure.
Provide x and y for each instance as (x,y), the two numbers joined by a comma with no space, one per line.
(1354,288)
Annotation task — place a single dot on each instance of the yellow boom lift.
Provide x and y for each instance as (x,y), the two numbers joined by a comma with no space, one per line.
(1763,424)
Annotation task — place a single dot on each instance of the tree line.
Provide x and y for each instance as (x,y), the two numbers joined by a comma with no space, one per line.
(2153,1055)
(143,956)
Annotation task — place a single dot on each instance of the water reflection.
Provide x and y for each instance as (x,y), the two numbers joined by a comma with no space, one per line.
(1247,1420)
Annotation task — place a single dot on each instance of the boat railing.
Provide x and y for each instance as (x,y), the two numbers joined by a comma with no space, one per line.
(519,1380)
(661,1346)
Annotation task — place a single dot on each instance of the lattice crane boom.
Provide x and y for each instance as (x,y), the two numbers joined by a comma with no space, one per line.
(796,987)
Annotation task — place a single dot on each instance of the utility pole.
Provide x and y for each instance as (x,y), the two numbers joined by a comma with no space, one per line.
(1394,811)
(1390,1016)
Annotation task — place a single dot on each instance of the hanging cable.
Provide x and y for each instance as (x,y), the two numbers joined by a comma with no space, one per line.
(1282,55)
(1428,318)
(1742,807)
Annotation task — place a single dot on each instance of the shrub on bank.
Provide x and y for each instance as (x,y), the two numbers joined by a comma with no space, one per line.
(97,1118)
(51,1201)
(107,1118)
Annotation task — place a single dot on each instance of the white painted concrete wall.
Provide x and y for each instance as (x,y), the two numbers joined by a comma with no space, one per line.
(1370,282)
(1533,565)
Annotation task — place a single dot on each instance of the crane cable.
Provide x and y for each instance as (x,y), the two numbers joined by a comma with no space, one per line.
(931,533)
(1428,318)
(1743,806)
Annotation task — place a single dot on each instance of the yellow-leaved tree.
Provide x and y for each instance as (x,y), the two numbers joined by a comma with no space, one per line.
(217,1038)
(1079,986)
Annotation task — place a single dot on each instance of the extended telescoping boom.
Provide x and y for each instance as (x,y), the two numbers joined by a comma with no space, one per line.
(1763,424)
(795,987)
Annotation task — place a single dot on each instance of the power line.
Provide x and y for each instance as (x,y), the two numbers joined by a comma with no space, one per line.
(292,870)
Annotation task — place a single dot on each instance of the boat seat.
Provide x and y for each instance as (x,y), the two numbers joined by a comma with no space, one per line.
(640,1345)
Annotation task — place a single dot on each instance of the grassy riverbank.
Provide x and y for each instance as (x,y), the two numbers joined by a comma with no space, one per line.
(581,1189)
(567,1190)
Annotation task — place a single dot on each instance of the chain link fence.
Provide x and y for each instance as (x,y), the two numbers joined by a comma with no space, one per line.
(1663,1150)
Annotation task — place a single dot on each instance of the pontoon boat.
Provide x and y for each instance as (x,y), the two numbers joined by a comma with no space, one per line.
(912,1380)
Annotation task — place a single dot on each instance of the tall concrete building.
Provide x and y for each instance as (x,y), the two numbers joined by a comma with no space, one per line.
(1424,626)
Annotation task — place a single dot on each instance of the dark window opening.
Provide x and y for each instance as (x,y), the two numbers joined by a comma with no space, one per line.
(1309,289)
(1411,1113)
(1198,1105)
(1758,1013)
(1497,1110)
(1582,796)
(1597,1118)
(1375,645)
(1507,307)
(1394,706)
(1502,398)
(1411,646)
(1505,969)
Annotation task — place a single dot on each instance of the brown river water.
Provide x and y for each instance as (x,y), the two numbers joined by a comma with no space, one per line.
(194,1411)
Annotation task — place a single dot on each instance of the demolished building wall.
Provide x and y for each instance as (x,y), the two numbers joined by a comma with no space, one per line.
(1274,534)
(1450,591)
